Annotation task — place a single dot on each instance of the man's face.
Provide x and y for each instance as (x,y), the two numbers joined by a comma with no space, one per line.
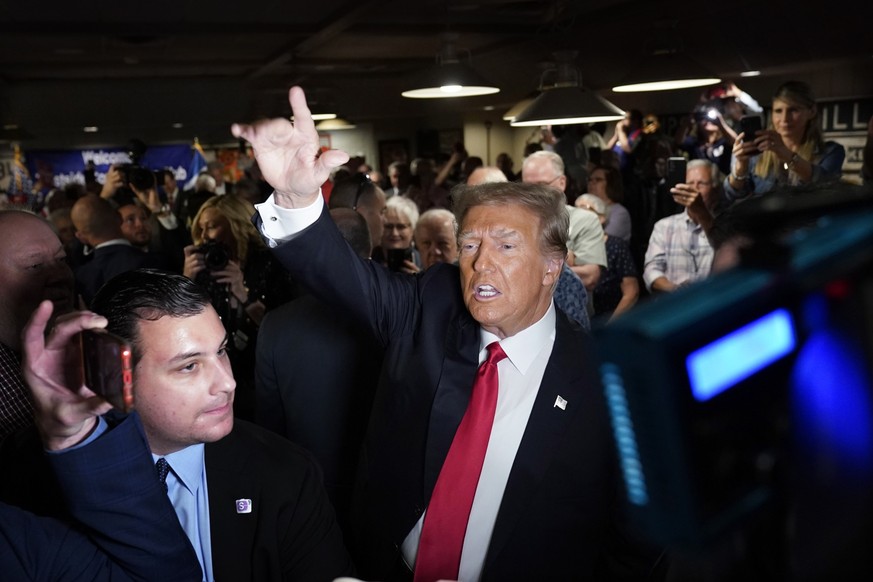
(701,179)
(435,240)
(394,177)
(32,268)
(541,171)
(169,182)
(505,279)
(373,209)
(183,383)
(134,225)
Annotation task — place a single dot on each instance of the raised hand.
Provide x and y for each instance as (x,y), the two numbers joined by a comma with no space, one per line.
(288,153)
(66,411)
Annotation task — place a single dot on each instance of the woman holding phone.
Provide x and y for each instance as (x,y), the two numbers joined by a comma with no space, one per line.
(791,151)
(396,250)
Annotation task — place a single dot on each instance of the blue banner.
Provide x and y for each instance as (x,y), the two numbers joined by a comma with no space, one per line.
(69,165)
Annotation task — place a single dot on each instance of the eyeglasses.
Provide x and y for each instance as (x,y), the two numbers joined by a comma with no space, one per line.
(363,182)
(398,227)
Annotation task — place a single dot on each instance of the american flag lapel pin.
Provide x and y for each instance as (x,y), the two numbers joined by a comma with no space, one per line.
(560,402)
(243,505)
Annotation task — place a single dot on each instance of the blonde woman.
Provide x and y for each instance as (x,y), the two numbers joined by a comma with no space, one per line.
(791,151)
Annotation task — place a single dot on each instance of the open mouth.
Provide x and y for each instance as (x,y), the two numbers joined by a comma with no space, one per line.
(486,291)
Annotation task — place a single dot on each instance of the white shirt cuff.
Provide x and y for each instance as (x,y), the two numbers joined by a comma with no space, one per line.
(280,224)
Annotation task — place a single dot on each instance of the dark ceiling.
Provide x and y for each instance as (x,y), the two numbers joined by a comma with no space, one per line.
(134,69)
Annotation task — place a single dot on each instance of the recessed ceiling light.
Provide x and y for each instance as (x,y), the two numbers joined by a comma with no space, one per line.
(750,74)
(90,129)
(178,125)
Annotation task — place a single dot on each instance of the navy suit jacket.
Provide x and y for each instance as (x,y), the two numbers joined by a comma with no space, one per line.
(290,534)
(559,516)
(106,262)
(129,528)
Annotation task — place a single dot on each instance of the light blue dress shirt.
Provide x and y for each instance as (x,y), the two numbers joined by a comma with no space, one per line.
(186,488)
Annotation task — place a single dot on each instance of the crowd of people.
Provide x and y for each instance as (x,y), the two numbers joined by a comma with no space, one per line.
(422,340)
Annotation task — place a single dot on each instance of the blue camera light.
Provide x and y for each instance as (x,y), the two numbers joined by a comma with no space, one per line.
(728,360)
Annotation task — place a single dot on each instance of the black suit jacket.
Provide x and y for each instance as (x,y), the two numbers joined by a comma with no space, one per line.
(558,519)
(316,374)
(106,262)
(291,532)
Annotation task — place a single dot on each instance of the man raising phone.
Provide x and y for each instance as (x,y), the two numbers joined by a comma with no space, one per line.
(251,503)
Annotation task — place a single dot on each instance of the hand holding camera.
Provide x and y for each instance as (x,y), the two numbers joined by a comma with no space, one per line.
(210,263)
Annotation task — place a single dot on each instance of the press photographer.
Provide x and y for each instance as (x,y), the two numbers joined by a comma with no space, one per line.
(230,260)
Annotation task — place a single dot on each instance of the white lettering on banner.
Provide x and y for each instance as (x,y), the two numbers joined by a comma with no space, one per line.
(837,124)
(856,122)
(104,158)
(180,173)
(62,180)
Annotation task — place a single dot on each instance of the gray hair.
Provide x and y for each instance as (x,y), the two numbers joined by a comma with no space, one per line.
(403,205)
(551,157)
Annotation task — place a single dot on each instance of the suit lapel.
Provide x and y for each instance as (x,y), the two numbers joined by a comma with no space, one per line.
(233,533)
(545,429)
(452,396)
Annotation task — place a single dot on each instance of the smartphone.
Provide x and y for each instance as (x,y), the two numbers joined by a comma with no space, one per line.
(749,124)
(675,171)
(107,367)
(396,257)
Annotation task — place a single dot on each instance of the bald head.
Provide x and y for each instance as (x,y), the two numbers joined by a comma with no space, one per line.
(32,268)
(96,221)
(486,175)
(363,196)
(353,227)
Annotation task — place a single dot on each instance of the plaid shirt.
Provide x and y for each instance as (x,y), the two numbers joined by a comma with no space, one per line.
(16,411)
(678,250)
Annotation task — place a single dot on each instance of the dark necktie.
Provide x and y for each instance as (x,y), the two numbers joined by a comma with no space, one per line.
(163,468)
(445,524)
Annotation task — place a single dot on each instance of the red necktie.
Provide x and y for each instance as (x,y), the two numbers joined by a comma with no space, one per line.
(445,525)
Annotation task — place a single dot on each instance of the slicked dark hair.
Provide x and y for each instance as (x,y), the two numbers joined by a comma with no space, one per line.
(146,294)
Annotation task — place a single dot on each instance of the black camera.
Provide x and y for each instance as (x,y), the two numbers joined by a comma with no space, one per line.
(141,178)
(215,255)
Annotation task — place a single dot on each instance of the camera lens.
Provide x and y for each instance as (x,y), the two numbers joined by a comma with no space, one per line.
(214,255)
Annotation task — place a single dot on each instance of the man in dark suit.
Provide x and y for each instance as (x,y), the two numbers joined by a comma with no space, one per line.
(266,515)
(546,503)
(127,527)
(98,226)
(304,343)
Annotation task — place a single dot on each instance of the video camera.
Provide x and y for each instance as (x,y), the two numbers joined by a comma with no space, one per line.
(754,388)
